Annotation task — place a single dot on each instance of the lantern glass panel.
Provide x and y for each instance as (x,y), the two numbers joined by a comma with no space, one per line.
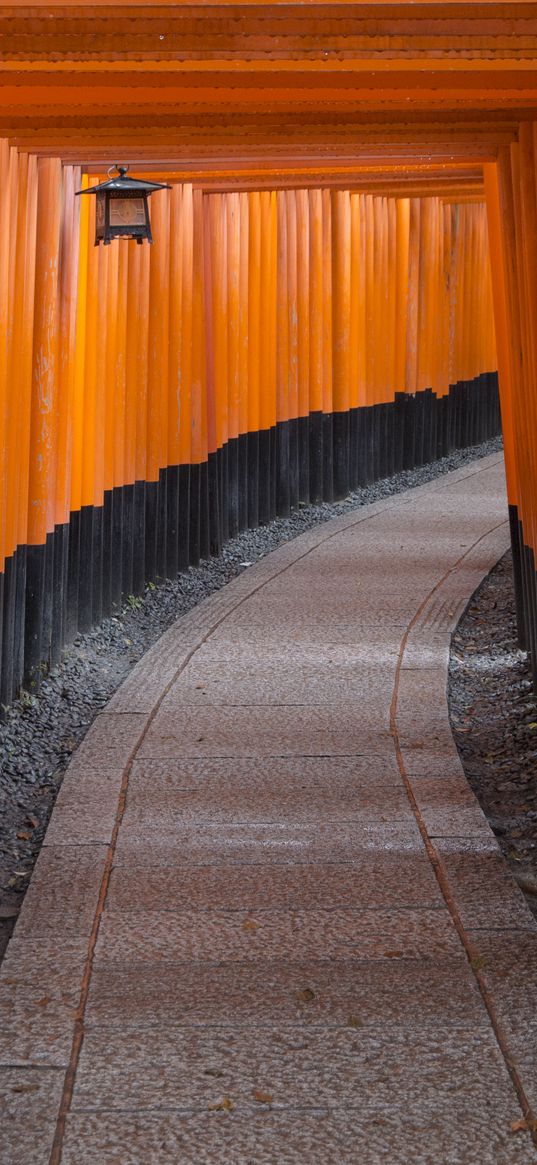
(127,212)
(99,212)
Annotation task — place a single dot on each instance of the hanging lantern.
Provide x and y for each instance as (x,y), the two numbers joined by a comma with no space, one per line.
(122,210)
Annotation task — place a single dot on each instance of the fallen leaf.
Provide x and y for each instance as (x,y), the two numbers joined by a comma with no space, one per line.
(212,1072)
(23,835)
(306,996)
(223,1105)
(24,1088)
(477,963)
(262,1097)
(44,1001)
(524,1126)
(250,924)
(32,821)
(353,1021)
(393,954)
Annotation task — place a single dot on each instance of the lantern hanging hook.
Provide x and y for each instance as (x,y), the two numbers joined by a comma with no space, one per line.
(121,170)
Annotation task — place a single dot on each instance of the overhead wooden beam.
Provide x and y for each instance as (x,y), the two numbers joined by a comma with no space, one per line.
(204,82)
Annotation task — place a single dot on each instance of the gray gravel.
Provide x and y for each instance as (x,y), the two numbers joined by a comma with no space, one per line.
(40,733)
(494,721)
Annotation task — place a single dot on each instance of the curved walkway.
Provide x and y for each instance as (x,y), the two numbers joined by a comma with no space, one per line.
(270,923)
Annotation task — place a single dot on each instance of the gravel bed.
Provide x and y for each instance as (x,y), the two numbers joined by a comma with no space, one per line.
(494,721)
(40,733)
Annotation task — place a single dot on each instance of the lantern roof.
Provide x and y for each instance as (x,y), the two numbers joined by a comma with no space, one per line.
(122,183)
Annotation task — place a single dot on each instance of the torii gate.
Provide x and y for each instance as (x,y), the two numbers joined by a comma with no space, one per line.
(321,126)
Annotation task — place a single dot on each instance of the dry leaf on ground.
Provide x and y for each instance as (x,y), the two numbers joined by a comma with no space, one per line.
(262,1097)
(306,996)
(223,1105)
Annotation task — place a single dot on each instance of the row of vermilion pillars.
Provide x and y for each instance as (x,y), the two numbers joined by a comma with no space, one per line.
(512,210)
(251,309)
(252,314)
(39,254)
(297,301)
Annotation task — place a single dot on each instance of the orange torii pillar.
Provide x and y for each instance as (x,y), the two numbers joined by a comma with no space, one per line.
(512,208)
(44,421)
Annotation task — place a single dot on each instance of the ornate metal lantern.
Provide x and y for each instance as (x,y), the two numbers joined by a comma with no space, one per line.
(122,210)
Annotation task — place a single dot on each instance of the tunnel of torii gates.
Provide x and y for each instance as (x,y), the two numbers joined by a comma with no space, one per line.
(345,261)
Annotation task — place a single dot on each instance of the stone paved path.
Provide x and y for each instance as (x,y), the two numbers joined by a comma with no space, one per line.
(270,924)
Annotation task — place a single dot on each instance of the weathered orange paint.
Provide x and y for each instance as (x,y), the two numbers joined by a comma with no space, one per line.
(293,406)
(255,323)
(250,308)
(341,265)
(244,300)
(269,309)
(45,381)
(356,322)
(68,260)
(198,386)
(24,345)
(303,301)
(401,280)
(185,365)
(232,227)
(503,327)
(122,473)
(175,322)
(158,339)
(316,300)
(327,301)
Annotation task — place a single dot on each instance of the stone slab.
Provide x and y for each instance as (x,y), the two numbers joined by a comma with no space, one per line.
(111,742)
(448,807)
(508,962)
(190,1069)
(86,809)
(29,1102)
(237,936)
(239,844)
(264,731)
(40,993)
(318,1137)
(245,803)
(482,885)
(383,993)
(379,880)
(152,780)
(271,682)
